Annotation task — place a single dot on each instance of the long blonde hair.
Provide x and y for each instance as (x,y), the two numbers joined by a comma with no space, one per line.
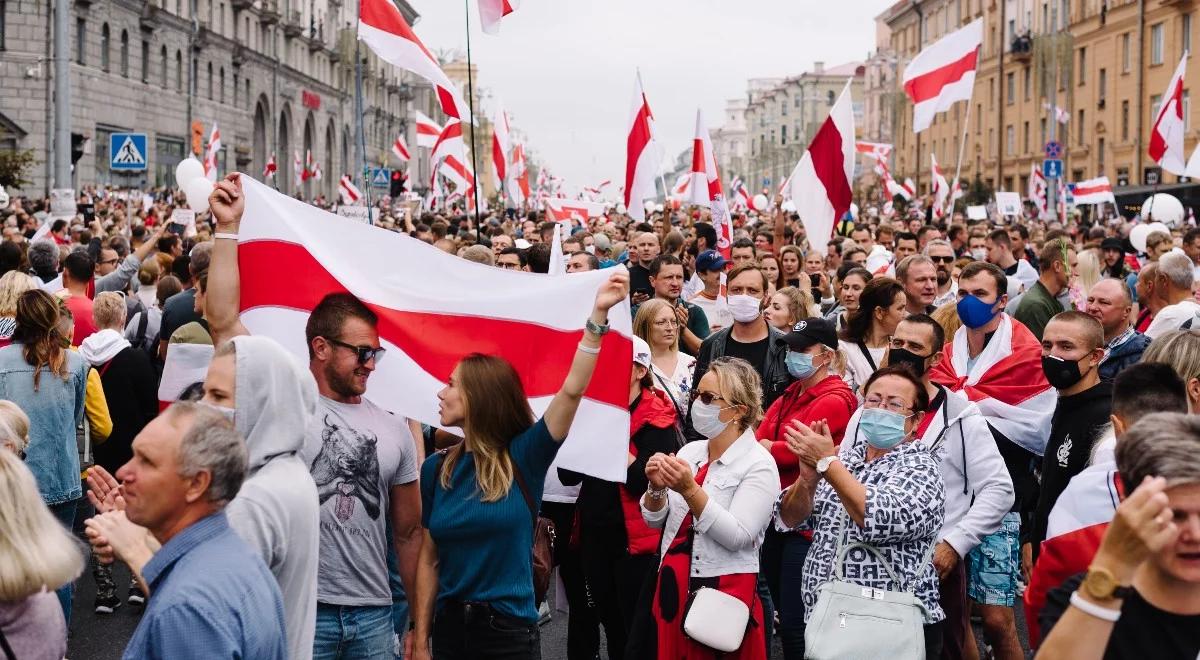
(14,426)
(36,551)
(12,285)
(496,412)
(643,322)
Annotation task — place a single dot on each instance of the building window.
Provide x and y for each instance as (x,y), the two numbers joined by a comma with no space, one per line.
(1079,129)
(178,71)
(978,119)
(1125,58)
(1010,88)
(829,98)
(1125,121)
(783,107)
(1185,23)
(145,61)
(124,53)
(80,40)
(1025,139)
(991,147)
(783,135)
(247,96)
(1100,157)
(1155,101)
(1156,43)
(221,94)
(210,82)
(235,89)
(1082,74)
(1010,140)
(1028,83)
(991,93)
(3,12)
(104,39)
(1043,140)
(162,56)
(1102,84)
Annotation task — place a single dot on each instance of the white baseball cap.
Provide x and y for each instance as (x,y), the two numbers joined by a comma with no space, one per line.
(641,352)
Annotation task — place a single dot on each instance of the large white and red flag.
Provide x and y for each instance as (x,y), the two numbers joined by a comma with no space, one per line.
(941,189)
(492,11)
(533,322)
(271,168)
(1166,135)
(943,73)
(1006,382)
(706,186)
(820,183)
(298,170)
(349,192)
(185,368)
(210,154)
(877,150)
(382,27)
(563,210)
(642,157)
(428,130)
(400,149)
(1039,192)
(518,180)
(501,144)
(1094,191)
(682,187)
(449,143)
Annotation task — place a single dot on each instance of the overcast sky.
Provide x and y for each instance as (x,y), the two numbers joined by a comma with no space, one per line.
(564,69)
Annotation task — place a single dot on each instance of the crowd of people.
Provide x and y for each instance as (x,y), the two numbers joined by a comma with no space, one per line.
(845,446)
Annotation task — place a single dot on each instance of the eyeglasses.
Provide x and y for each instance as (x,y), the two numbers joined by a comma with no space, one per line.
(107,261)
(365,353)
(942,260)
(894,405)
(706,397)
(666,323)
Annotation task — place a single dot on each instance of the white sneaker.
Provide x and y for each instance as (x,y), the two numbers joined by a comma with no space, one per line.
(543,613)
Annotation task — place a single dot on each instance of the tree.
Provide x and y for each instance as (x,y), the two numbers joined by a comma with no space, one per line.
(15,165)
(979,192)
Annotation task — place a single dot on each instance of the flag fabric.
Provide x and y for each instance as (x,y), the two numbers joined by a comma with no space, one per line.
(271,168)
(1166,135)
(428,130)
(298,169)
(518,180)
(558,263)
(210,154)
(943,73)
(491,11)
(311,169)
(533,322)
(1038,192)
(1006,382)
(563,210)
(705,184)
(907,190)
(501,142)
(400,149)
(682,188)
(185,366)
(349,192)
(877,150)
(382,27)
(941,190)
(642,158)
(820,183)
(1094,191)
(449,144)
(1060,115)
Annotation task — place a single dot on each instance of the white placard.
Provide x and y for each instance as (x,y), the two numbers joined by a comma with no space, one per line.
(1008,203)
(186,218)
(359,213)
(62,201)
(977,213)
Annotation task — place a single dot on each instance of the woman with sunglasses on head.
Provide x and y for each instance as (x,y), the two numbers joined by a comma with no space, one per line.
(713,502)
(880,497)
(672,369)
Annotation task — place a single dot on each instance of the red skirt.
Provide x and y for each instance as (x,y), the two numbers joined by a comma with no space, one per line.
(672,593)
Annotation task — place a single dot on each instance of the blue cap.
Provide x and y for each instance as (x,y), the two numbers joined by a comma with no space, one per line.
(709,260)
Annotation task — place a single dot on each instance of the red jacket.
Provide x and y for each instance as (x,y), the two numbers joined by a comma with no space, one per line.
(830,400)
(654,409)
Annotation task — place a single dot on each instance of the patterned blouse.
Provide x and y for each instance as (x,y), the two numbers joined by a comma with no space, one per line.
(906,503)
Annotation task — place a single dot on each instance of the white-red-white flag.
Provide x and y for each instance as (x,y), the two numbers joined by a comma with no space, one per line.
(382,27)
(501,143)
(820,183)
(562,210)
(1166,135)
(400,149)
(706,186)
(642,157)
(943,73)
(349,192)
(271,168)
(1094,191)
(449,143)
(681,190)
(878,150)
(492,11)
(518,179)
(210,154)
(298,170)
(533,322)
(1039,192)
(428,130)
(1060,115)
(941,189)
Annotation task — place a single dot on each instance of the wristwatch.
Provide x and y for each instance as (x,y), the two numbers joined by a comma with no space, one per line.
(1101,584)
(824,463)
(598,330)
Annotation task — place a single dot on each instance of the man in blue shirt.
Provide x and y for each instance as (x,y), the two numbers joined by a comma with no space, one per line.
(211,596)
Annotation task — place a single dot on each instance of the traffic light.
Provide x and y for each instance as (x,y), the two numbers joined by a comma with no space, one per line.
(398,184)
(77,141)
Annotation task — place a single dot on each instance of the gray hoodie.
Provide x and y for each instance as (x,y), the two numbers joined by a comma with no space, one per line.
(276,510)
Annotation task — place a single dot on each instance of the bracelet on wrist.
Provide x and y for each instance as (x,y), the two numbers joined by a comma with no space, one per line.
(656,494)
(1094,610)
(589,350)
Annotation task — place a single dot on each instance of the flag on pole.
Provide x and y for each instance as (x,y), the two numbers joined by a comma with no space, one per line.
(642,158)
(681,189)
(532,322)
(349,192)
(1060,115)
(1039,192)
(298,170)
(558,263)
(383,28)
(210,154)
(400,148)
(563,210)
(820,183)
(428,130)
(877,150)
(706,186)
(1094,191)
(501,142)
(943,73)
(1166,135)
(271,168)
(941,190)
(518,180)
(491,11)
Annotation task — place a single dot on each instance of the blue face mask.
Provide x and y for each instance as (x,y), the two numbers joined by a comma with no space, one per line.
(975,313)
(884,429)
(799,365)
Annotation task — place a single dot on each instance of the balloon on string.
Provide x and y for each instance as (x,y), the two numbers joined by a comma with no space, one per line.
(760,202)
(189,168)
(197,192)
(1163,208)
(1137,236)
(649,206)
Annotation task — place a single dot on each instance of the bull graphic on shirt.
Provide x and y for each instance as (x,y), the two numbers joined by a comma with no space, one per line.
(347,468)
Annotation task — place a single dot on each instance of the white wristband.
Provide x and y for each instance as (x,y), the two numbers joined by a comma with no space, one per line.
(1093,609)
(221,235)
(589,350)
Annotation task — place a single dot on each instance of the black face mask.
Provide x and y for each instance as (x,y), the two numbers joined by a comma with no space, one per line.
(1061,373)
(902,357)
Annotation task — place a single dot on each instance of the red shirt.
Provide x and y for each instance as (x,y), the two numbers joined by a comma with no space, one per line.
(85,325)
(830,400)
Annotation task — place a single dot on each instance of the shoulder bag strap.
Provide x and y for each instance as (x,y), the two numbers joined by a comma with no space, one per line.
(662,381)
(867,354)
(525,493)
(8,652)
(104,368)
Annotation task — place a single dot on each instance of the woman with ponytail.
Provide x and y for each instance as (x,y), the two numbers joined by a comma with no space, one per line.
(41,375)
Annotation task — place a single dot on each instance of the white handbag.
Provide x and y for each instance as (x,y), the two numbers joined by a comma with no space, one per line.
(716,620)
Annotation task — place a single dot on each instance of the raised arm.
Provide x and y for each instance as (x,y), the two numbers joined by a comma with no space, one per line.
(561,411)
(224,294)
(777,229)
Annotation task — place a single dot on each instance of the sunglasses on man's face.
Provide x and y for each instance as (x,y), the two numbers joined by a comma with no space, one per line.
(364,353)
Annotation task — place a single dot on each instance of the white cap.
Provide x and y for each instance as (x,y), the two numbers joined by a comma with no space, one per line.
(522,244)
(641,352)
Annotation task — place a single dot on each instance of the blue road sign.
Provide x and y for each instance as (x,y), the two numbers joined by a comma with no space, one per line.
(1054,150)
(1052,168)
(127,152)
(380,177)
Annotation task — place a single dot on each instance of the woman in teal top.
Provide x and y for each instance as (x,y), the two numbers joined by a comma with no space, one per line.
(474,570)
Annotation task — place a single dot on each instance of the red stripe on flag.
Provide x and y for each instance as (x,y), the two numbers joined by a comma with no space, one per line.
(436,342)
(929,85)
(638,141)
(829,163)
(1080,192)
(383,15)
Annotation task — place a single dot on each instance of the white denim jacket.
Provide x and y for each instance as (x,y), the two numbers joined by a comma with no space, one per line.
(742,486)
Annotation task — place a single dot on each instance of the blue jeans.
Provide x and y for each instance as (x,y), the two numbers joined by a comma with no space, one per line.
(399,598)
(346,632)
(65,512)
(791,597)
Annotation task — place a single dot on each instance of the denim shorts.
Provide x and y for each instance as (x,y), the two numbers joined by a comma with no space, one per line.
(994,566)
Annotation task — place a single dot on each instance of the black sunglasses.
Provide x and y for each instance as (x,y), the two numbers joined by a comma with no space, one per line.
(942,260)
(706,397)
(365,353)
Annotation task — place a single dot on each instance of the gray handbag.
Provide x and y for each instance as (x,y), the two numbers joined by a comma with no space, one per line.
(852,622)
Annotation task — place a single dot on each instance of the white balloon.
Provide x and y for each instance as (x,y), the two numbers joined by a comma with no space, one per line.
(649,206)
(658,208)
(789,206)
(1137,236)
(621,208)
(760,202)
(1163,208)
(197,192)
(853,211)
(189,168)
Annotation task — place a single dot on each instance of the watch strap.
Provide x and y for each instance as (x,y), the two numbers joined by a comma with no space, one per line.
(595,328)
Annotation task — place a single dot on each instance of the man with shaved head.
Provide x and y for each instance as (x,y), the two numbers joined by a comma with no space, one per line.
(1109,303)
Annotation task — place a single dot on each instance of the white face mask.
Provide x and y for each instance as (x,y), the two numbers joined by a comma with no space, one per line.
(744,308)
(979,254)
(706,419)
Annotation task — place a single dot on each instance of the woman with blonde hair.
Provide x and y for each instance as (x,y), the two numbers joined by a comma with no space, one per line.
(672,369)
(37,556)
(475,594)
(12,285)
(787,306)
(1181,350)
(14,428)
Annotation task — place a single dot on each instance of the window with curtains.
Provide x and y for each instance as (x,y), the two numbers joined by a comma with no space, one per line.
(1156,43)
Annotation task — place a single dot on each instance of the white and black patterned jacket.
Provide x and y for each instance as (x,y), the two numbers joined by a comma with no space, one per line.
(906,503)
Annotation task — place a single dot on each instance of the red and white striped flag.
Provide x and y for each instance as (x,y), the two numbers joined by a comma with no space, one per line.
(682,188)
(501,143)
(400,148)
(706,186)
(642,157)
(518,180)
(943,73)
(1166,135)
(877,150)
(820,183)
(1060,115)
(1038,192)
(382,27)
(562,210)
(1094,191)
(941,189)
(533,322)
(210,154)
(271,168)
(428,130)
(491,11)
(349,192)
(298,170)
(311,169)
(186,366)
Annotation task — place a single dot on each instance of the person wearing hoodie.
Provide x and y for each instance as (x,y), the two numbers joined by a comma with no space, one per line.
(979,491)
(271,400)
(1109,303)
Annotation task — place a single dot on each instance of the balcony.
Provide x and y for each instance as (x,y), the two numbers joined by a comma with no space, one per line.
(239,55)
(148,20)
(241,5)
(293,25)
(1021,48)
(268,12)
(203,36)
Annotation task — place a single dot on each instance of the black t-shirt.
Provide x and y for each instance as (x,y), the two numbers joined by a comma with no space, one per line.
(639,281)
(755,353)
(1142,632)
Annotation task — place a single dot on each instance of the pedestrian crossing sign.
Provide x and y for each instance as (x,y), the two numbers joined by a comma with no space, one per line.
(127,151)
(380,177)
